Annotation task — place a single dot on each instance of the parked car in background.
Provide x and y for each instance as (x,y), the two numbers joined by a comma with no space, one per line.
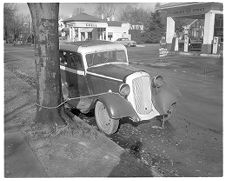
(96,75)
(126,42)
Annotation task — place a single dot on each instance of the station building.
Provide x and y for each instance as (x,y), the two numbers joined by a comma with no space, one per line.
(205,29)
(86,27)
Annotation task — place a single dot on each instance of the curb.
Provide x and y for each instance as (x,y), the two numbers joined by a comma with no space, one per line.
(140,46)
(196,54)
(210,55)
(118,148)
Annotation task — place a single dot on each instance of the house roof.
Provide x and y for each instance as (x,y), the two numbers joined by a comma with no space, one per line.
(114,23)
(83,17)
(89,18)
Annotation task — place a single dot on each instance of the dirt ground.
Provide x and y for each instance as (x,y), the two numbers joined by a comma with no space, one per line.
(192,142)
(76,150)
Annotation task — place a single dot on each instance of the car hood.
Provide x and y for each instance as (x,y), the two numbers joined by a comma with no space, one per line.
(117,71)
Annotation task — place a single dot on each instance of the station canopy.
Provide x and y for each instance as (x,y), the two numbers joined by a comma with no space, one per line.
(193,10)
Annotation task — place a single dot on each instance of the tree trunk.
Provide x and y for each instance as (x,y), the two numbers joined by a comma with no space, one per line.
(45,26)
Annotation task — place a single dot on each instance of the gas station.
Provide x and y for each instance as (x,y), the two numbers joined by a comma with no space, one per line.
(86,27)
(202,29)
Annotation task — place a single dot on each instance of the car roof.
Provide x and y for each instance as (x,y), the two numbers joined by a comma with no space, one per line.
(90,46)
(73,46)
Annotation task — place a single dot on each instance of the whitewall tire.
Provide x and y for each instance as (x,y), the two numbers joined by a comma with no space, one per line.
(104,122)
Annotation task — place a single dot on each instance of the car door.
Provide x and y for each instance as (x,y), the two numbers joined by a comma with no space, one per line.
(73,75)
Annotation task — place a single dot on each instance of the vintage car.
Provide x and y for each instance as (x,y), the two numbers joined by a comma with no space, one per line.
(126,42)
(96,76)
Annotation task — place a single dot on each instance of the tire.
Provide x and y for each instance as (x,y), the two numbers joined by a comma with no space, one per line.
(104,122)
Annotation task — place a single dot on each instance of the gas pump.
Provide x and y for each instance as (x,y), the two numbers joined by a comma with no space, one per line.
(186,43)
(186,37)
(215,44)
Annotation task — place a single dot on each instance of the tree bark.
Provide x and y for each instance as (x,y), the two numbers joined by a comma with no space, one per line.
(45,26)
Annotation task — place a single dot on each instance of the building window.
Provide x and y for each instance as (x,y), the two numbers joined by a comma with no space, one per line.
(90,36)
(218,28)
(110,35)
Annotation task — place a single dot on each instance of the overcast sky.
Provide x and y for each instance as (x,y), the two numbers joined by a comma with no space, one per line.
(66,9)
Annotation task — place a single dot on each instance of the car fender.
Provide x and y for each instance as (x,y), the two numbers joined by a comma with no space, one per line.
(164,97)
(118,107)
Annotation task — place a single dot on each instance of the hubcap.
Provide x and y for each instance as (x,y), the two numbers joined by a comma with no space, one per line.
(104,122)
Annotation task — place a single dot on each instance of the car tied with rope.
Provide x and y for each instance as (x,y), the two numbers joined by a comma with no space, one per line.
(96,75)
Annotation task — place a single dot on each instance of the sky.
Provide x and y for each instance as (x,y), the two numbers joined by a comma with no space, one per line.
(66,9)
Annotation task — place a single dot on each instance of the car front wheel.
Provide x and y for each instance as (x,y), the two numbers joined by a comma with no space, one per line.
(104,122)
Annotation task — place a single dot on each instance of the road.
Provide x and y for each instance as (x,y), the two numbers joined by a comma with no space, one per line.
(193,140)
(191,143)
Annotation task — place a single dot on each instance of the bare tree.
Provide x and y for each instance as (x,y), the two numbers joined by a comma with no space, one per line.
(135,15)
(157,5)
(18,25)
(77,11)
(15,25)
(9,19)
(45,26)
(107,10)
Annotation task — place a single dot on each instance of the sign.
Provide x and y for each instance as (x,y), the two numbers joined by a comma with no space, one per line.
(89,24)
(163,52)
(94,25)
(191,10)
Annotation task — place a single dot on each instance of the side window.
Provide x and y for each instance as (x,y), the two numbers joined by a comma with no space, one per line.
(75,61)
(63,58)
(89,59)
(121,56)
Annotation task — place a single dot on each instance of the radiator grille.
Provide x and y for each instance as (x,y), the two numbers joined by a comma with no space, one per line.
(142,96)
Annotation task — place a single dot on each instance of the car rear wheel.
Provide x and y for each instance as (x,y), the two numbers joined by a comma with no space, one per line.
(104,122)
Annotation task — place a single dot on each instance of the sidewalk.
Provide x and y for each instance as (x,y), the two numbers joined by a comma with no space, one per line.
(17,151)
(78,151)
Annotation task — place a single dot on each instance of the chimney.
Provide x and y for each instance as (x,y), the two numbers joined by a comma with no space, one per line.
(102,16)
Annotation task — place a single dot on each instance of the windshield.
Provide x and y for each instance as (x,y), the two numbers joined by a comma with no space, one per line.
(105,57)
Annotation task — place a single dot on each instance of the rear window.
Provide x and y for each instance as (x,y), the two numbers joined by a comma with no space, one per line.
(71,60)
(106,57)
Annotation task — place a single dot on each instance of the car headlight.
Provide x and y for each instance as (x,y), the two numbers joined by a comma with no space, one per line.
(158,81)
(124,89)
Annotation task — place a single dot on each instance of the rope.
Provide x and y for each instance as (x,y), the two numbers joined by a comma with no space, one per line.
(72,98)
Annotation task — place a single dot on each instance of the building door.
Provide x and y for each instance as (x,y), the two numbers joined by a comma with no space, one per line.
(83,38)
